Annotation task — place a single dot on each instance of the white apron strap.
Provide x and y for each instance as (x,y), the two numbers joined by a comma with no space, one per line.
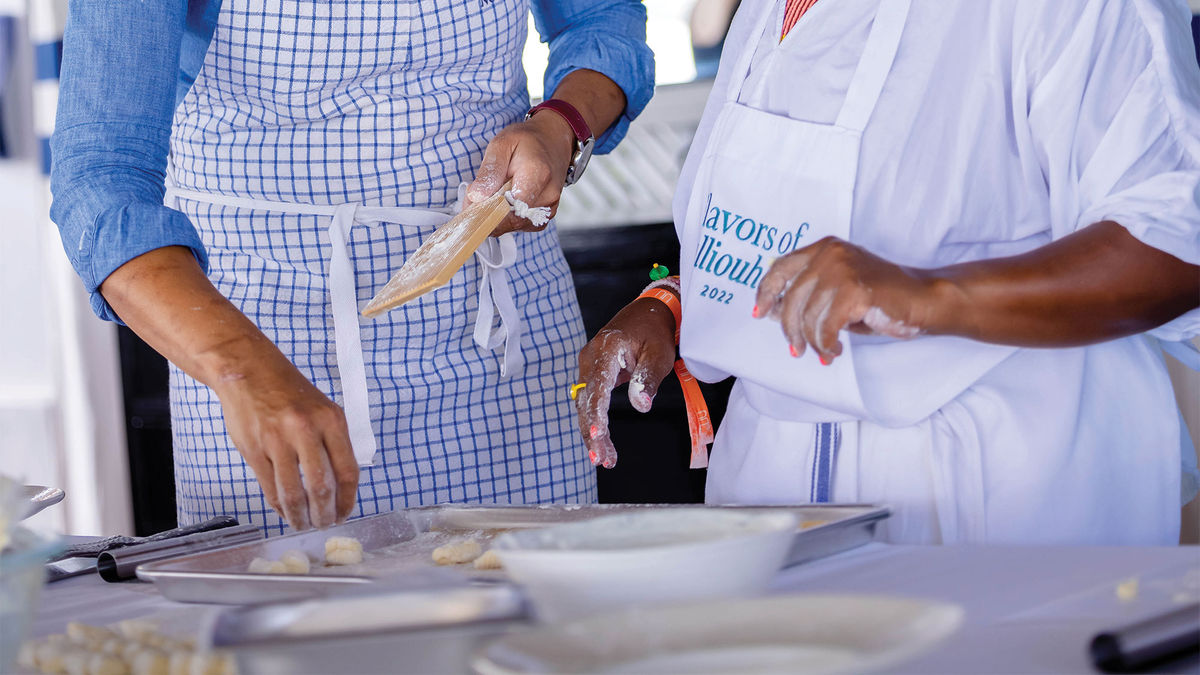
(880,53)
(343,297)
(496,255)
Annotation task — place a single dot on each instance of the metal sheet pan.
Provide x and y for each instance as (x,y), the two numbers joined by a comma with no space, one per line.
(399,544)
(38,497)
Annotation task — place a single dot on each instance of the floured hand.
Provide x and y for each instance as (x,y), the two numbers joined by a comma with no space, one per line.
(535,154)
(833,285)
(637,346)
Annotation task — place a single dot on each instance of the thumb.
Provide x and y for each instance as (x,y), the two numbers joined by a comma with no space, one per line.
(492,171)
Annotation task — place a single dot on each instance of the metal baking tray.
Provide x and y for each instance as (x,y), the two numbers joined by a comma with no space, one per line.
(400,543)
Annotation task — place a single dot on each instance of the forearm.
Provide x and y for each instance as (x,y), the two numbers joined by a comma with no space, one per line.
(1097,284)
(166,299)
(597,98)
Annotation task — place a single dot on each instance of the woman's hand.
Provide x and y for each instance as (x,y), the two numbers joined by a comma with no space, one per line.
(292,436)
(1098,283)
(535,153)
(832,285)
(637,346)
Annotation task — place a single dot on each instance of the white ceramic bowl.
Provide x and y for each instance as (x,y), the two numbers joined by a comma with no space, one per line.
(22,575)
(646,558)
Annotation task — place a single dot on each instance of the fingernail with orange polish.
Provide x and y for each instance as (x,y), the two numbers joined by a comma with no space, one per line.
(594,431)
(592,456)
(754,312)
(792,349)
(823,361)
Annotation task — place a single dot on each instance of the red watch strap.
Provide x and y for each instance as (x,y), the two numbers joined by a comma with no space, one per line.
(578,125)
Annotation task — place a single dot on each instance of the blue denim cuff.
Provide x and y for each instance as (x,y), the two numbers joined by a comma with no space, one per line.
(626,61)
(125,232)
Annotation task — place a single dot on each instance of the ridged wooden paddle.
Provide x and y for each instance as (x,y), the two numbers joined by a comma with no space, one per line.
(442,254)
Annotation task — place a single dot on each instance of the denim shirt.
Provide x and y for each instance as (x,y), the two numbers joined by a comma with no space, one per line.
(127,65)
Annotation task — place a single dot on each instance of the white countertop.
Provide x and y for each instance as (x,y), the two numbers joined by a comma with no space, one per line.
(1027,609)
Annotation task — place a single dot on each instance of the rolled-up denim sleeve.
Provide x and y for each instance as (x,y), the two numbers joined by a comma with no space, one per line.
(112,133)
(607,36)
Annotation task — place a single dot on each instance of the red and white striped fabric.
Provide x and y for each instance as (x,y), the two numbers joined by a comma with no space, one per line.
(792,13)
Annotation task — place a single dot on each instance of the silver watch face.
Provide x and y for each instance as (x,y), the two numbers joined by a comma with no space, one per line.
(580,161)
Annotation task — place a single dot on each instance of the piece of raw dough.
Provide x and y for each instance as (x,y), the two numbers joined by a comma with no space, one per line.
(264,566)
(74,661)
(457,552)
(137,629)
(27,655)
(89,636)
(150,661)
(179,663)
(296,562)
(106,664)
(488,561)
(51,658)
(343,551)
(211,663)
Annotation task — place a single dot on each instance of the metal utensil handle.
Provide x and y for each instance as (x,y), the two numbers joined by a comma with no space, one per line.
(1134,647)
(121,563)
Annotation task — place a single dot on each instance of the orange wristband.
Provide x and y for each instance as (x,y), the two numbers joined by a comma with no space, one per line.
(671,301)
(700,426)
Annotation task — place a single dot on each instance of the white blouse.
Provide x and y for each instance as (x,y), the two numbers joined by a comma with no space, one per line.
(1003,124)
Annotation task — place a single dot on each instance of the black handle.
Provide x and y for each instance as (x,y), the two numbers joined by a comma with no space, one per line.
(1147,643)
(92,549)
(214,523)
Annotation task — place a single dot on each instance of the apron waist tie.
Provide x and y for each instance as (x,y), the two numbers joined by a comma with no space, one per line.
(495,296)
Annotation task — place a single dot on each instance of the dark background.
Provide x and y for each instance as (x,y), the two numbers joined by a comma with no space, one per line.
(610,267)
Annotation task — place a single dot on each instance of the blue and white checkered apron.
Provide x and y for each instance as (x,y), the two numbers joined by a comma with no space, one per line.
(388,105)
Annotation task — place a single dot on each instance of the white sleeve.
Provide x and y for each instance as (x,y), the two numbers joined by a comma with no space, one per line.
(1114,111)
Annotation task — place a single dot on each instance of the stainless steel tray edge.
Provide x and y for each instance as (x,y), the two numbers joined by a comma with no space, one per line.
(207,577)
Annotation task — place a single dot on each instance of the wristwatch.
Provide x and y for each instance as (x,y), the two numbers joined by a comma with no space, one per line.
(584,140)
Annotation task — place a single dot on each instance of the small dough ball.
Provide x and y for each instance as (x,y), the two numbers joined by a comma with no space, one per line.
(185,643)
(179,663)
(488,561)
(463,551)
(264,566)
(89,636)
(51,657)
(106,664)
(1127,590)
(27,655)
(212,663)
(75,661)
(343,551)
(137,629)
(158,641)
(150,662)
(296,562)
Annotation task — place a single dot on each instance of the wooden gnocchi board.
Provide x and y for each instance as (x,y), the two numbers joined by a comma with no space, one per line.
(441,255)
